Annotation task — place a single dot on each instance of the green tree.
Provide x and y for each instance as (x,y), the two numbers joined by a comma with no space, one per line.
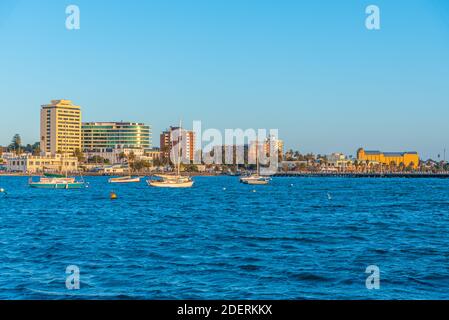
(16,144)
(79,155)
(36,148)
(98,160)
(122,156)
(190,168)
(139,165)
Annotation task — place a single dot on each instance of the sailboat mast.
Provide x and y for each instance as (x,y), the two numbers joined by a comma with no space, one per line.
(257,156)
(179,147)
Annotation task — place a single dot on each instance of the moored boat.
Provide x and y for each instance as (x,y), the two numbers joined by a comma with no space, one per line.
(173,181)
(56,183)
(127,179)
(256,179)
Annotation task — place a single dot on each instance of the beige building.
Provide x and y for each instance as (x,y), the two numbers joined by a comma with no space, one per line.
(264,149)
(60,127)
(45,163)
(339,160)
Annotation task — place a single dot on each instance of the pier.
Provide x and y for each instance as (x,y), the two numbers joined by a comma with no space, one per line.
(442,175)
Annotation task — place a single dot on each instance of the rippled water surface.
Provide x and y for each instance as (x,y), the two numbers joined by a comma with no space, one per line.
(299,238)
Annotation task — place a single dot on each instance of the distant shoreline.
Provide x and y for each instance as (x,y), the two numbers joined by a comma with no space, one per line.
(410,175)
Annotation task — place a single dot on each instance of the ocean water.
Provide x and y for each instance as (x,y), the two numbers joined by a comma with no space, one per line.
(298,238)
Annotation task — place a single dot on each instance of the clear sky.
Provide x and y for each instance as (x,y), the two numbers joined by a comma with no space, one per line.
(308,68)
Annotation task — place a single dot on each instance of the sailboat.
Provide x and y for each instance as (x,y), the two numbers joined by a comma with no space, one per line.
(56,181)
(173,181)
(256,179)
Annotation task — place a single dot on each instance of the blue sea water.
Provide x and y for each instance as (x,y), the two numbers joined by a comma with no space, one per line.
(298,238)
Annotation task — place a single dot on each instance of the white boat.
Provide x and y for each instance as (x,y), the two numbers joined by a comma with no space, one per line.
(256,179)
(127,179)
(173,181)
(57,181)
(51,181)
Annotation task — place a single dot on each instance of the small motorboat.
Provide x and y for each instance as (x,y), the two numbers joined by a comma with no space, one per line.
(52,181)
(127,179)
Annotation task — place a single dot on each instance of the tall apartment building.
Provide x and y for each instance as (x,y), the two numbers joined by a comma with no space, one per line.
(97,136)
(165,143)
(187,146)
(60,127)
(272,143)
(264,148)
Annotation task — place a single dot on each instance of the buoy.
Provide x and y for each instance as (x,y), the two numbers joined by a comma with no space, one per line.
(2,190)
(113,196)
(254,191)
(224,189)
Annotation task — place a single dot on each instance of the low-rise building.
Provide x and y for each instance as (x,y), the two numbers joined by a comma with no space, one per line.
(293,165)
(339,160)
(121,156)
(27,163)
(153,154)
(113,169)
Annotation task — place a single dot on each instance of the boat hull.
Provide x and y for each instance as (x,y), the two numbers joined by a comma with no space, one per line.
(75,185)
(169,184)
(255,182)
(121,180)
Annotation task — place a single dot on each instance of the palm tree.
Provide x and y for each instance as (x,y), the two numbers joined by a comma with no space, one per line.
(121,156)
(131,158)
(393,166)
(356,165)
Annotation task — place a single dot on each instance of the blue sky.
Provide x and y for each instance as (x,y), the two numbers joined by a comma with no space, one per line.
(308,68)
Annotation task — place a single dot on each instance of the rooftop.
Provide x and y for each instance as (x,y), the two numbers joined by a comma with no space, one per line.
(389,154)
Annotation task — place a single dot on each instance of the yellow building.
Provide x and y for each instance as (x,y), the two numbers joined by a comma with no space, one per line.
(407,158)
(60,127)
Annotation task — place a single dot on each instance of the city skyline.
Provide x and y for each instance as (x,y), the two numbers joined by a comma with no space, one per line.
(344,88)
